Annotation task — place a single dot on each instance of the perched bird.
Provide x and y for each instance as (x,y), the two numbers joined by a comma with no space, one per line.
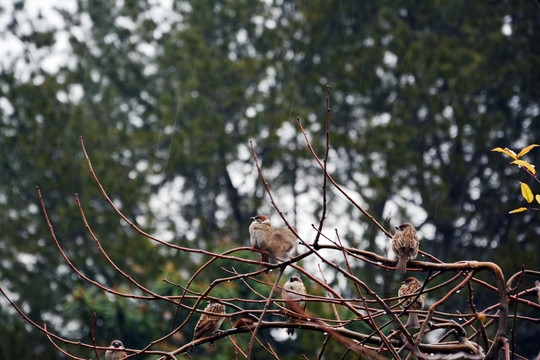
(405,245)
(209,324)
(294,284)
(278,243)
(282,243)
(116,351)
(260,231)
(244,323)
(410,286)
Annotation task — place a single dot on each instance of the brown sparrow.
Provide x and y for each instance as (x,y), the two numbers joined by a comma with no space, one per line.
(116,351)
(410,286)
(244,323)
(282,243)
(295,284)
(209,324)
(259,232)
(405,245)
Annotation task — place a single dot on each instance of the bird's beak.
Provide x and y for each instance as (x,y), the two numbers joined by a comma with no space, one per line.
(397,227)
(252,218)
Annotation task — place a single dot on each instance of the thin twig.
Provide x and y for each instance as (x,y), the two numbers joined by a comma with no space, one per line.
(93,335)
(325,169)
(513,331)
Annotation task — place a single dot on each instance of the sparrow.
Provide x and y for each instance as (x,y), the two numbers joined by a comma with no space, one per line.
(410,286)
(244,323)
(278,243)
(209,324)
(405,245)
(260,231)
(282,243)
(116,351)
(295,284)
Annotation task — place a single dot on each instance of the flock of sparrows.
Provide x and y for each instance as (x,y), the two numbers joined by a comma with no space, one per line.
(280,243)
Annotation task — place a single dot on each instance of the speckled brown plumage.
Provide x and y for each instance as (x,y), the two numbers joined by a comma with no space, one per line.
(410,286)
(405,244)
(208,324)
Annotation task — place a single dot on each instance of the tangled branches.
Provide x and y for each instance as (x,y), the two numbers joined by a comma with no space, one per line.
(358,319)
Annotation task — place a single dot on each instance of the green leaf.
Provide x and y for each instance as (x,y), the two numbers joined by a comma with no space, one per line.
(521,209)
(507,151)
(526,150)
(525,164)
(526,192)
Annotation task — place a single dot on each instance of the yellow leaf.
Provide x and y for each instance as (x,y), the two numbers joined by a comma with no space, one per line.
(518,210)
(526,150)
(525,165)
(507,151)
(526,192)
(538,198)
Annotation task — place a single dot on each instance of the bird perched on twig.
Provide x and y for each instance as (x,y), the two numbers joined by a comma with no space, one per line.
(260,231)
(294,284)
(410,286)
(116,351)
(244,323)
(405,245)
(209,324)
(279,243)
(282,243)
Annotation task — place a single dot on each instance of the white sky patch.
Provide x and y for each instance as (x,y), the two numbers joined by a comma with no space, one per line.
(390,59)
(148,50)
(286,133)
(76,92)
(167,204)
(381,119)
(448,112)
(125,22)
(411,202)
(474,188)
(453,131)
(6,106)
(269,81)
(506,28)
(242,36)
(28,260)
(251,112)
(407,80)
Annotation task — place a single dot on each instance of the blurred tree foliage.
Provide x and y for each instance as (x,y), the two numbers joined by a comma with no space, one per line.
(167,100)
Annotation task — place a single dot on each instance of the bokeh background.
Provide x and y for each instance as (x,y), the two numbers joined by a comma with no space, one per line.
(167,95)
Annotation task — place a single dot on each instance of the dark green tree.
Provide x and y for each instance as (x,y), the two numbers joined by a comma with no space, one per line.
(167,101)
